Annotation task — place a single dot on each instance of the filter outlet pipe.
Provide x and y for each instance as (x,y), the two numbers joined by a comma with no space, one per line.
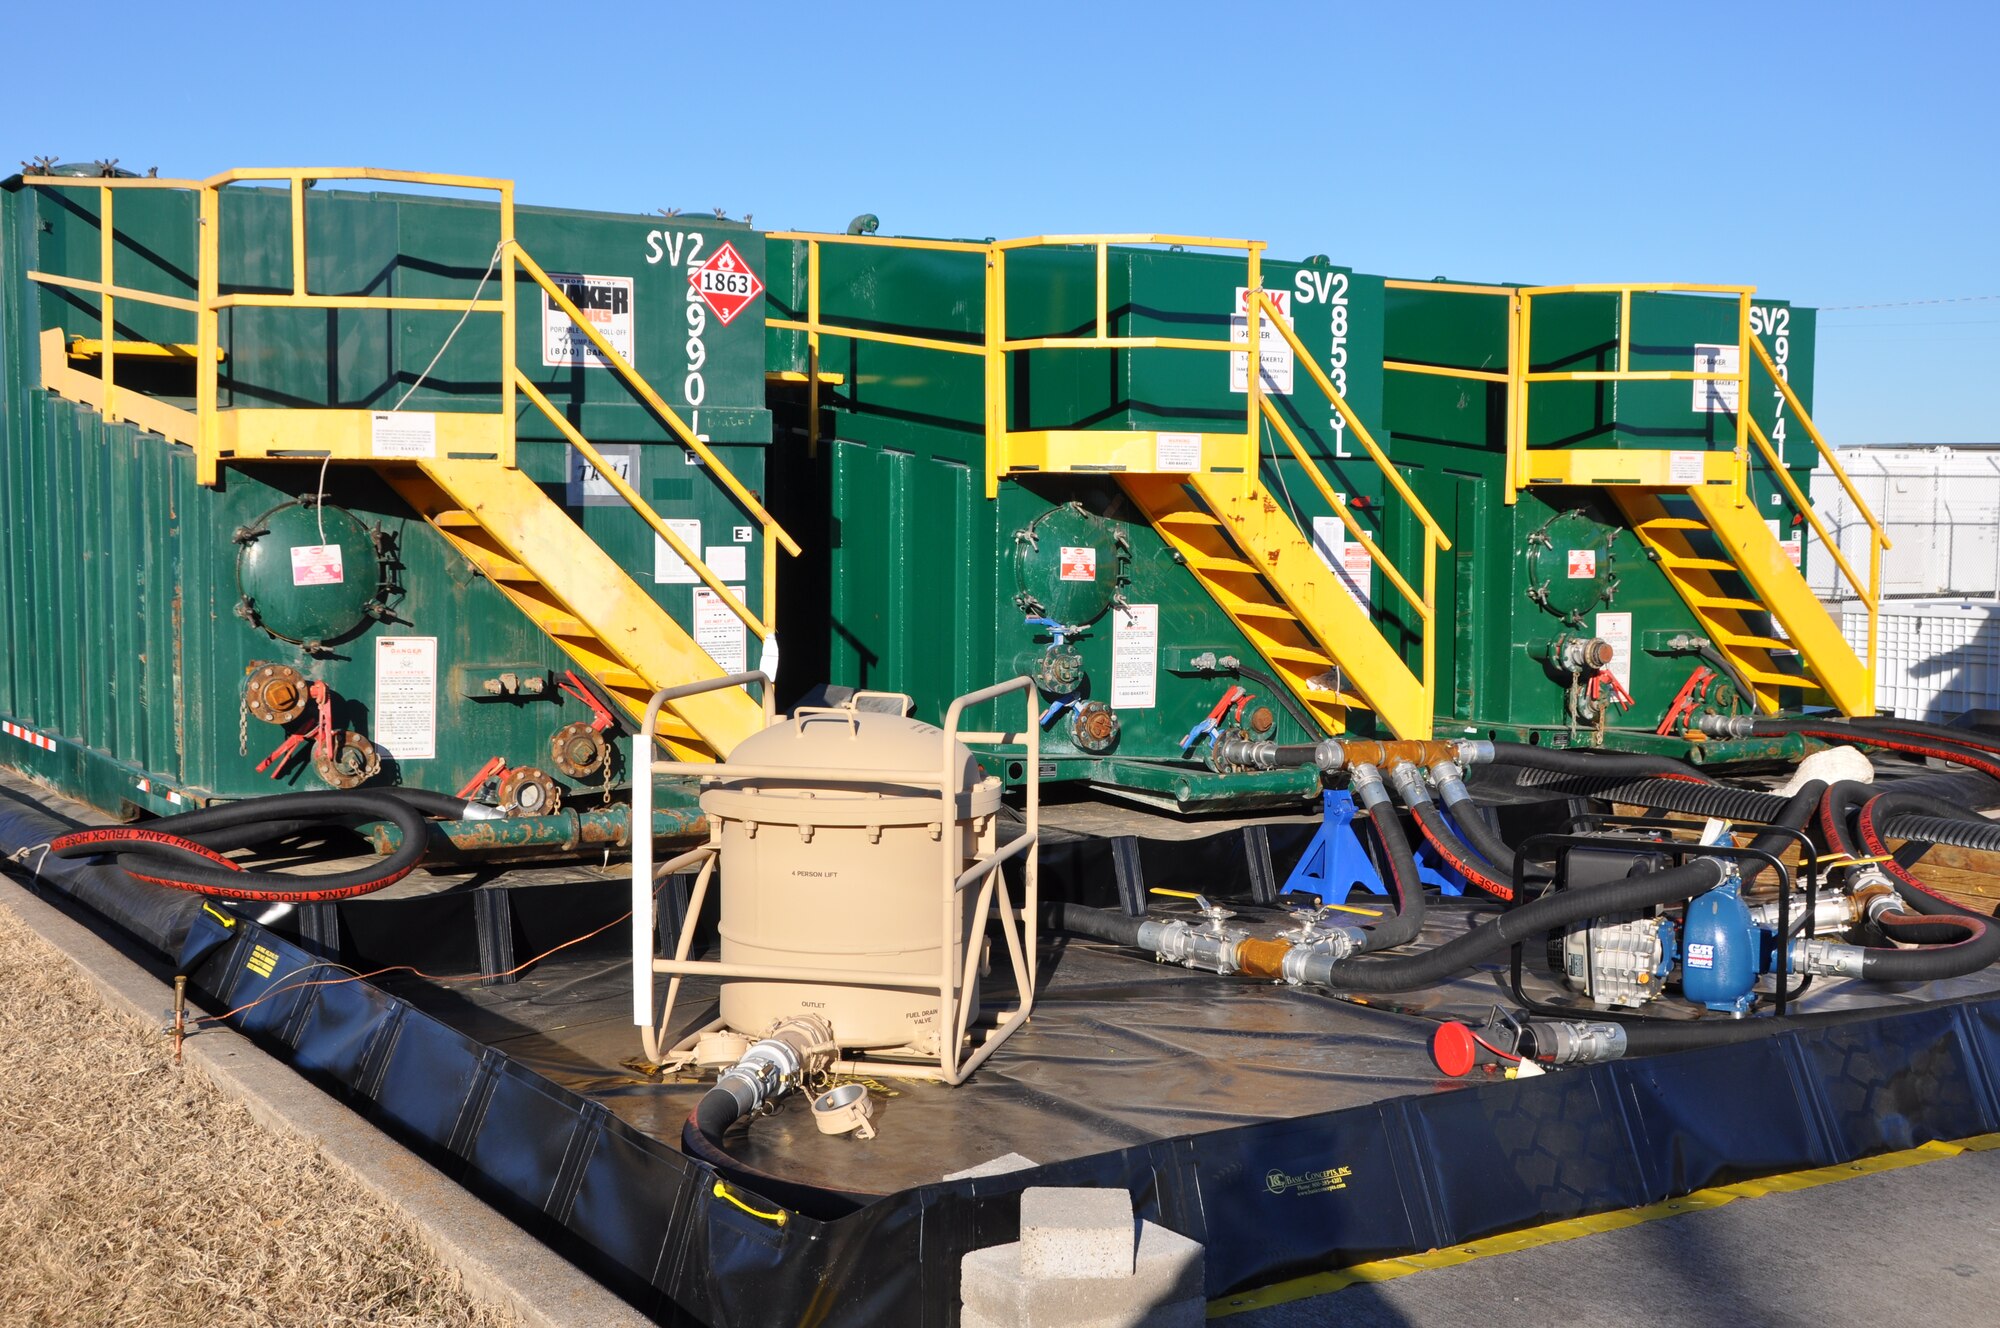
(1583,1042)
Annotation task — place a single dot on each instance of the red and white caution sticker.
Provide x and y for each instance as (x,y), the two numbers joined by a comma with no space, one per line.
(29,736)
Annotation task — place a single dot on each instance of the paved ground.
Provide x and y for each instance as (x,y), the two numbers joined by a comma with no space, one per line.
(1918,1245)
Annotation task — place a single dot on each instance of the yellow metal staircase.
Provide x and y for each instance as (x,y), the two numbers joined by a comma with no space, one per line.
(1692,510)
(1270,581)
(531,550)
(1704,538)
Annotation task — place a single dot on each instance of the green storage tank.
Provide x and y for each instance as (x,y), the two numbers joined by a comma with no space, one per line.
(931,588)
(1562,562)
(164,636)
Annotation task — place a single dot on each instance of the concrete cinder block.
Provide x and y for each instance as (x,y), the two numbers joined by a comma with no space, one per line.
(1180,1314)
(995,1166)
(1076,1232)
(1166,1278)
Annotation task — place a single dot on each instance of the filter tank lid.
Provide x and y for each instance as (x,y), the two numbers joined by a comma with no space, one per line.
(852,743)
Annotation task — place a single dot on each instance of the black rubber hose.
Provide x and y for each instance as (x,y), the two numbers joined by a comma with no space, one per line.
(1680,795)
(1964,737)
(1952,831)
(1592,761)
(1474,866)
(1403,882)
(1483,838)
(1722,664)
(1986,762)
(1429,967)
(1102,924)
(1794,815)
(148,844)
(444,806)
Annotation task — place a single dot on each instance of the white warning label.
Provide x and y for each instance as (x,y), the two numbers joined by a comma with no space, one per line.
(669,568)
(1582,564)
(719,631)
(605,303)
(405,718)
(1685,467)
(1135,657)
(1615,630)
(1348,558)
(316,565)
(395,433)
(1079,563)
(1273,351)
(1177,453)
(1712,396)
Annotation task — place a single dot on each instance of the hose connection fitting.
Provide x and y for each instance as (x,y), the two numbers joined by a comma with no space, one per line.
(1834,913)
(1213,945)
(1449,781)
(1310,965)
(795,1050)
(1726,726)
(1364,781)
(1474,751)
(1827,957)
(1573,1042)
(1408,781)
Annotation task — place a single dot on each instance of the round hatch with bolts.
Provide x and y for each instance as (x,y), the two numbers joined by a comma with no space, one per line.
(1570,565)
(526,791)
(308,573)
(1068,565)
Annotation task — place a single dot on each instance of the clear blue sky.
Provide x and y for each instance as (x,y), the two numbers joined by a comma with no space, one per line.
(1831,154)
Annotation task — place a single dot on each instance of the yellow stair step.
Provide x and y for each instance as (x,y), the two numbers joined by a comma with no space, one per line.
(625,681)
(1755,642)
(1189,518)
(1725,602)
(1294,655)
(497,568)
(567,627)
(1210,563)
(1696,564)
(1673,523)
(455,519)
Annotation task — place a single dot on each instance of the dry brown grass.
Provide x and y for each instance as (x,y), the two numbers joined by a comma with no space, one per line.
(133,1192)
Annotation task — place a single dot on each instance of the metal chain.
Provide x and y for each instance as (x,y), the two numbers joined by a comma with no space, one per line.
(243,725)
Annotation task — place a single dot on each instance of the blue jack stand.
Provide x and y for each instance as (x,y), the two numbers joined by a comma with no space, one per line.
(1335,863)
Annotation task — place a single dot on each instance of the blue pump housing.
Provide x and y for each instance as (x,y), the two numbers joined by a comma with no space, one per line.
(1721,951)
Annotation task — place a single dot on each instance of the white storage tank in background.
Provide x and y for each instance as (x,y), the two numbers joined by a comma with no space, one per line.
(1941,508)
(1938,657)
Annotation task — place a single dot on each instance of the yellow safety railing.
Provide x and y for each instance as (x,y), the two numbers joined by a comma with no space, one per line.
(508,261)
(1878,538)
(1519,377)
(994,346)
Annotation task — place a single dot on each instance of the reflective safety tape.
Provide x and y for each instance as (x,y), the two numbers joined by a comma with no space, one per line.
(27,735)
(1387,1270)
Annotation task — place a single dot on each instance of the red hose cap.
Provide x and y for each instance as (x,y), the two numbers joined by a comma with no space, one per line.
(1454,1049)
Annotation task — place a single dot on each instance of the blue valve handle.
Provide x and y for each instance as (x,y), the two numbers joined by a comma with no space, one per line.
(1056,631)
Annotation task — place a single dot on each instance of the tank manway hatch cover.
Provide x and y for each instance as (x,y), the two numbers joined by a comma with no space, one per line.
(1069,564)
(1571,565)
(308,574)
